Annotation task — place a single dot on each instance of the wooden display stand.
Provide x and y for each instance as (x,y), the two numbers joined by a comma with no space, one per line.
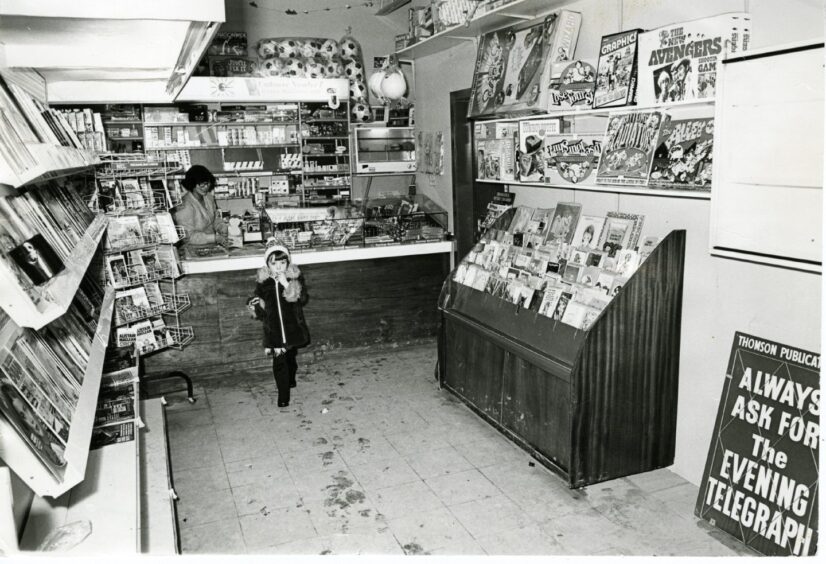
(590,405)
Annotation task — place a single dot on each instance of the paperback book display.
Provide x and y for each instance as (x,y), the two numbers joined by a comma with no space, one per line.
(41,375)
(39,231)
(557,262)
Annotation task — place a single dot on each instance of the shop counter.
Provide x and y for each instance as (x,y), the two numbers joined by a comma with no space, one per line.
(358,297)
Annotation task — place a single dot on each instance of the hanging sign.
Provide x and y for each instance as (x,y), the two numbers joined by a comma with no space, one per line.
(761,475)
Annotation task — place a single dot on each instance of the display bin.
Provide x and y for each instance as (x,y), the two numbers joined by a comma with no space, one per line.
(591,405)
(385,221)
(385,149)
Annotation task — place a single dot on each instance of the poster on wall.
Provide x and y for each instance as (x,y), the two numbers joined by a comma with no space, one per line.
(628,147)
(430,152)
(760,482)
(678,62)
(515,64)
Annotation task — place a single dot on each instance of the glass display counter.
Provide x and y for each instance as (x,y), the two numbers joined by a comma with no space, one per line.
(385,150)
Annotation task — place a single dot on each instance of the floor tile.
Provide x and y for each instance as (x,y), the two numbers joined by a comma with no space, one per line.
(205,507)
(276,527)
(404,499)
(424,532)
(193,481)
(371,457)
(438,462)
(379,474)
(220,537)
(257,470)
(490,515)
(462,487)
(524,541)
(264,498)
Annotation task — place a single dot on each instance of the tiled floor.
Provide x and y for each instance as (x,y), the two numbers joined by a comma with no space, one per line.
(373,458)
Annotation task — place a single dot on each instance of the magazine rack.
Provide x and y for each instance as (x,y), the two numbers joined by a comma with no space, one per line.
(119,166)
(591,405)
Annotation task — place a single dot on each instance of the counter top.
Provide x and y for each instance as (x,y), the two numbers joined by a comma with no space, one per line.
(251,256)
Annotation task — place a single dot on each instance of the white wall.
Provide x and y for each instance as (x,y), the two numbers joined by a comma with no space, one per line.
(721,296)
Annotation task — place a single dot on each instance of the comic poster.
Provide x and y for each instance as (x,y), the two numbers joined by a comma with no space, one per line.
(530,153)
(512,64)
(682,159)
(574,88)
(628,147)
(617,70)
(571,158)
(679,62)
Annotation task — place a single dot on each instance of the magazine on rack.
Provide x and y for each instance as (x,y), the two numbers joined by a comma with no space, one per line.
(628,147)
(617,70)
(112,434)
(682,159)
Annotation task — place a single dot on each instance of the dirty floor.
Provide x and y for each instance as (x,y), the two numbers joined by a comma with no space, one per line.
(371,457)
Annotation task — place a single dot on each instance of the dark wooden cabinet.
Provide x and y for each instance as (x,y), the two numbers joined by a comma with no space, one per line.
(591,405)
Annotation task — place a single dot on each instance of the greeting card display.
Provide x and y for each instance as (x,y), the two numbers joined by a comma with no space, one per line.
(617,70)
(628,147)
(682,159)
(679,62)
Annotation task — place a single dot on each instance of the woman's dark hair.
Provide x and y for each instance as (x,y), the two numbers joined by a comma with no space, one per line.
(195,175)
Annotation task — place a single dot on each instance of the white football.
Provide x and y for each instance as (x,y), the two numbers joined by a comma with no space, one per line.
(354,70)
(358,90)
(350,49)
(315,70)
(361,112)
(267,49)
(288,49)
(329,48)
(310,49)
(296,67)
(273,67)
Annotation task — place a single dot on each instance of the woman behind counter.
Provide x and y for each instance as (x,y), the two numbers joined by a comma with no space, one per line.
(198,213)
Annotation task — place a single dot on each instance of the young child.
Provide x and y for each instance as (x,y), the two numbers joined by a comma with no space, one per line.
(278,303)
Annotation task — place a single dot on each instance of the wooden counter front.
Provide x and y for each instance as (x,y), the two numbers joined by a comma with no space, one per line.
(353,303)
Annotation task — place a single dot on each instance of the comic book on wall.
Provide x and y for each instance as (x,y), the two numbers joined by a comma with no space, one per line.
(513,64)
(617,70)
(628,147)
(679,62)
(571,158)
(682,159)
(530,152)
(574,88)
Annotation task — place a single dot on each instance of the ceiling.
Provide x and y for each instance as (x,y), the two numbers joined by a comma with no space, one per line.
(96,50)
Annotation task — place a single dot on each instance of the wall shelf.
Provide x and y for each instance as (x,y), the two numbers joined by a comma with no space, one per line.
(52,162)
(58,292)
(488,21)
(636,190)
(16,453)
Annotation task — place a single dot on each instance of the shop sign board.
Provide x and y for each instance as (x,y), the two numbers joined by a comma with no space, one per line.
(760,482)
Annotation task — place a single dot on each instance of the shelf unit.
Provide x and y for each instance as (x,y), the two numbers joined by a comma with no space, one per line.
(591,405)
(58,292)
(483,23)
(52,162)
(692,109)
(17,454)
